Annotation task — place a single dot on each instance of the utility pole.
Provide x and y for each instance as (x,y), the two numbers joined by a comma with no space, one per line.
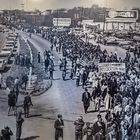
(57,18)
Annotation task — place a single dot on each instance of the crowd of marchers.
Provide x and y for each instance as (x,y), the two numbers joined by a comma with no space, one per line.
(117,92)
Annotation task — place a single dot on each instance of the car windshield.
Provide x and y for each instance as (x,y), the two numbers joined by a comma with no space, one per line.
(6,49)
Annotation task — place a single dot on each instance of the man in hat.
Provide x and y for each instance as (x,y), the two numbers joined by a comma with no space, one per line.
(79,124)
(6,133)
(19,122)
(99,125)
(26,104)
(11,101)
(59,125)
(88,132)
(39,57)
(86,99)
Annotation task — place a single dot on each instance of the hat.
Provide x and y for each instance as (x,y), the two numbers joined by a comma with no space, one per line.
(59,116)
(6,127)
(99,116)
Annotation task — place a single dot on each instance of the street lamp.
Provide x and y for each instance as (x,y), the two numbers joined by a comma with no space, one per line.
(104,15)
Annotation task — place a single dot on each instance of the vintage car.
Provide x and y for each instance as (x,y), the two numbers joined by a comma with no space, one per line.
(2,64)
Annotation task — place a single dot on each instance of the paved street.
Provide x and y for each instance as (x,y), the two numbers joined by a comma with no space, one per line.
(63,97)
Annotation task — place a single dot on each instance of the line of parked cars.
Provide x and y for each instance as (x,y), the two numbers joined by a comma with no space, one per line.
(8,50)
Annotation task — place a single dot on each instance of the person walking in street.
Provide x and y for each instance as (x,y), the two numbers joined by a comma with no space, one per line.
(59,125)
(88,132)
(99,127)
(72,73)
(60,64)
(25,80)
(6,133)
(86,99)
(39,57)
(64,74)
(79,124)
(19,122)
(26,105)
(77,77)
(47,63)
(16,88)
(11,101)
(1,80)
(84,78)
(51,69)
(51,47)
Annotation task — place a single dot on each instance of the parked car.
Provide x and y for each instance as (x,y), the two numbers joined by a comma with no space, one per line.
(125,44)
(8,49)
(2,64)
(6,53)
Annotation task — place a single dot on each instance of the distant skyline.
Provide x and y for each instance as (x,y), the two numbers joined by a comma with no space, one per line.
(55,4)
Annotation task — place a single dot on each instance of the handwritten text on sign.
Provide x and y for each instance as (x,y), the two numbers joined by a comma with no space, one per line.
(111,67)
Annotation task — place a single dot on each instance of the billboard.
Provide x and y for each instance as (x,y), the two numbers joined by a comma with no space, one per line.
(62,22)
(111,67)
(121,16)
(87,22)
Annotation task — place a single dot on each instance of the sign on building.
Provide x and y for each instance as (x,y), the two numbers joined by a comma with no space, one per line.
(111,67)
(87,22)
(121,16)
(62,22)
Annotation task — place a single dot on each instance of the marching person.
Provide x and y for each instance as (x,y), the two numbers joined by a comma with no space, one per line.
(0,80)
(26,105)
(47,63)
(39,57)
(86,99)
(79,124)
(6,133)
(77,77)
(51,69)
(16,88)
(60,64)
(19,122)
(64,74)
(59,125)
(25,80)
(11,101)
(72,73)
(51,47)
(99,126)
(88,132)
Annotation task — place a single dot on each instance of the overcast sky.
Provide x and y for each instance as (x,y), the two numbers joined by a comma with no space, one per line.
(53,4)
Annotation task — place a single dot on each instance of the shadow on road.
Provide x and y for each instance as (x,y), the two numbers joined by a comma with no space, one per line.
(30,138)
(56,78)
(35,115)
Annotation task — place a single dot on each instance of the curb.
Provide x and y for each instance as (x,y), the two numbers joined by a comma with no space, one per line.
(42,92)
(35,92)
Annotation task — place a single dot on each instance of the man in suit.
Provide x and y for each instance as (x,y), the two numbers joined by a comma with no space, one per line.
(26,104)
(99,127)
(59,125)
(86,99)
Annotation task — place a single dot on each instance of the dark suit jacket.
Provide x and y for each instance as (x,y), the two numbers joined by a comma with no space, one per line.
(58,129)
(86,99)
